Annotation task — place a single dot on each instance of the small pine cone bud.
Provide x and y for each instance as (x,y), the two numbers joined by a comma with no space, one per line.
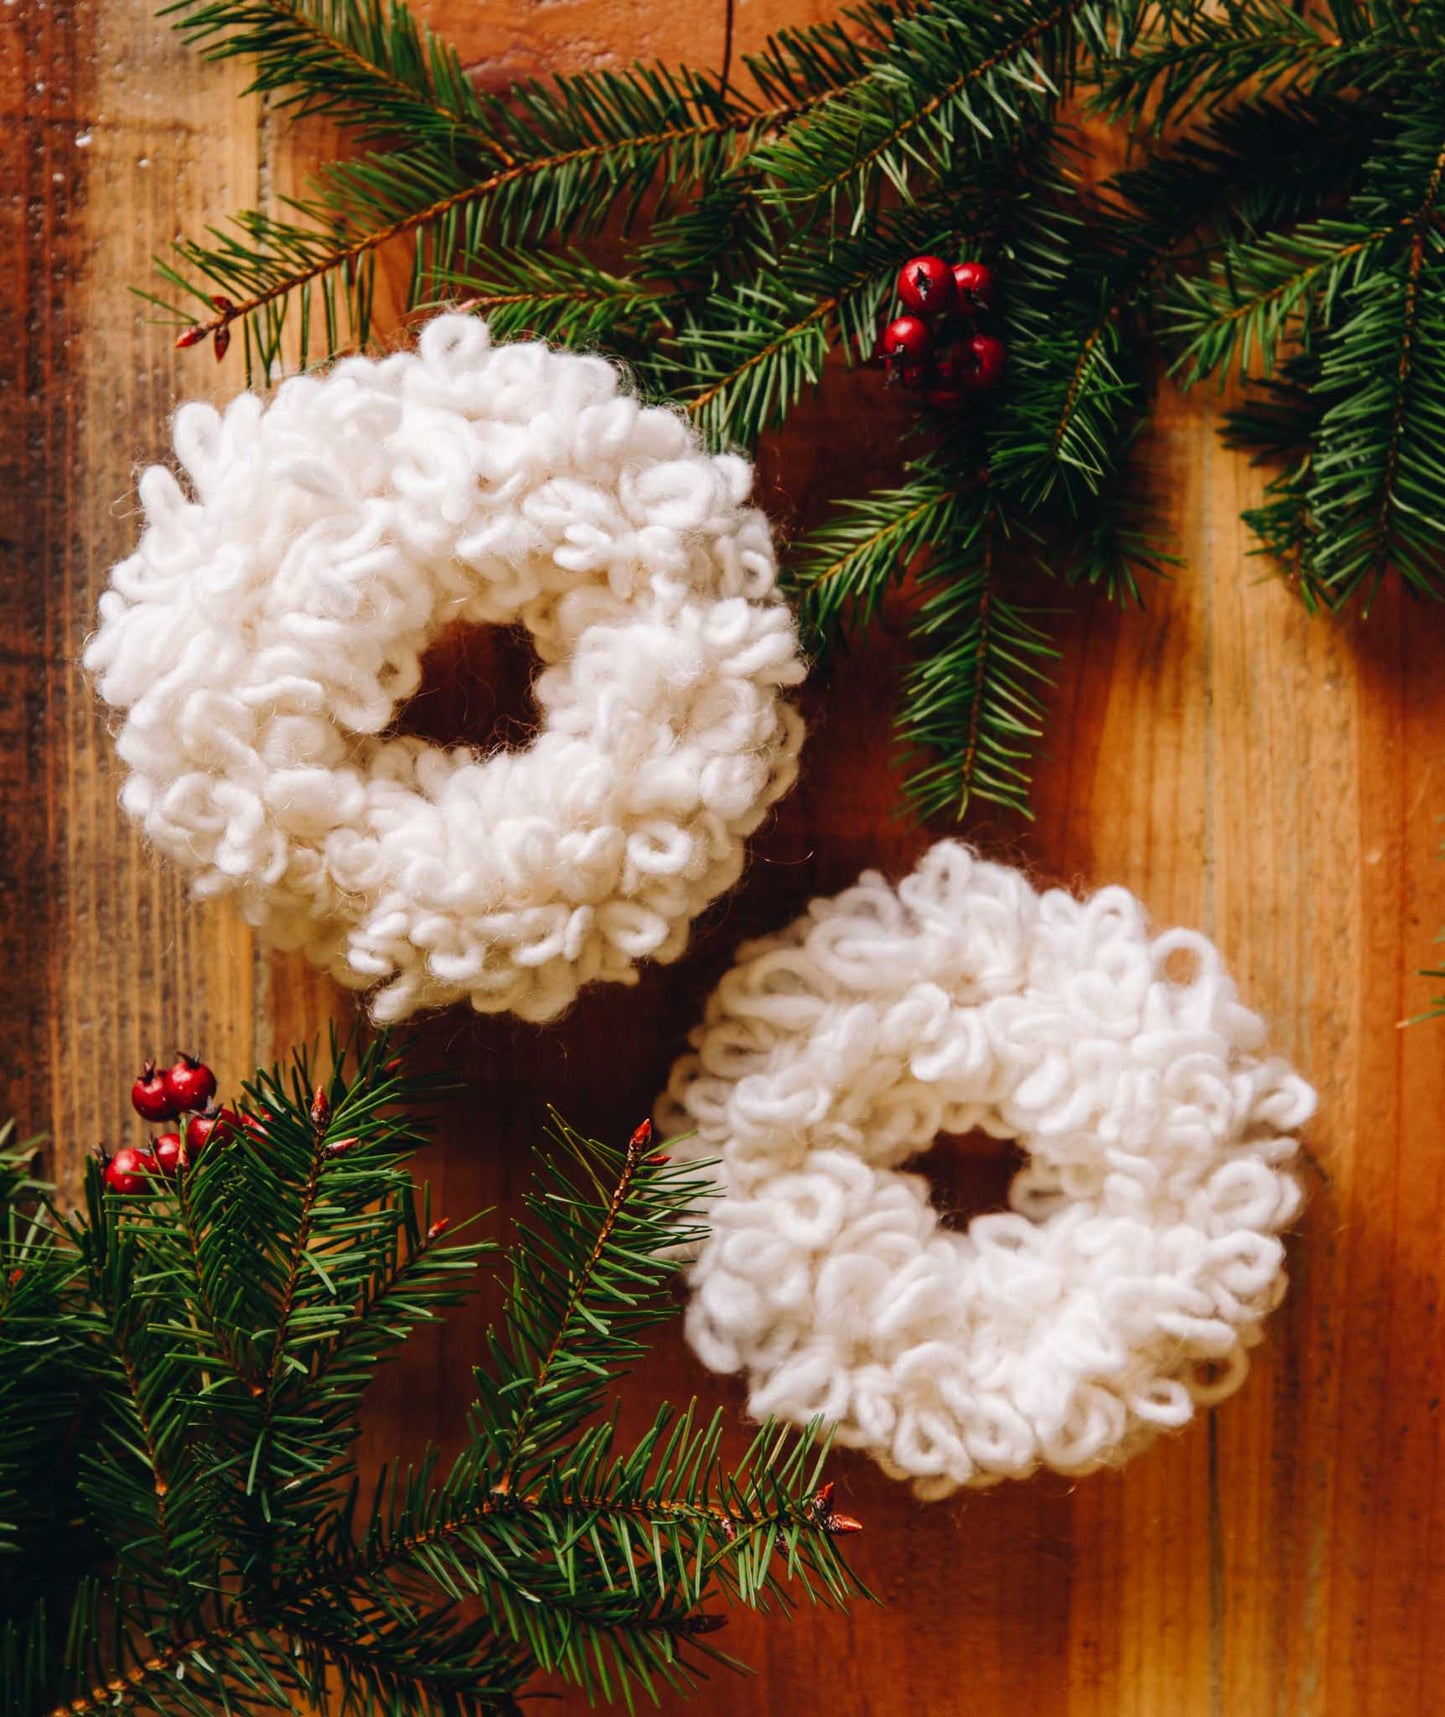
(707,1624)
(221,302)
(840,1525)
(438,1228)
(190,336)
(641,1137)
(222,342)
(15,1276)
(339,1147)
(320,1108)
(657,1160)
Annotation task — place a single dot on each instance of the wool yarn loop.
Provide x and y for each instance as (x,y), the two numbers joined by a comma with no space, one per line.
(1141,1249)
(271,620)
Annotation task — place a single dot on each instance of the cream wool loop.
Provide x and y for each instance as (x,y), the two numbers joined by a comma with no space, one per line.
(262,635)
(1141,1252)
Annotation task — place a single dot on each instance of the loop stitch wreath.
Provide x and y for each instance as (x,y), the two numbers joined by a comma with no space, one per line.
(262,635)
(1141,1252)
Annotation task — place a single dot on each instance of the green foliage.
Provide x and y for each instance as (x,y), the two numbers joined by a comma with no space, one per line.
(1324,289)
(182,1526)
(1278,222)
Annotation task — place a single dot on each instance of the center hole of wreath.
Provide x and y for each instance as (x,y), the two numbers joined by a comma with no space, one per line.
(476,689)
(969,1173)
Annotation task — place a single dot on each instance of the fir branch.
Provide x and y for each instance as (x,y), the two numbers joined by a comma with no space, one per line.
(1376,469)
(955,76)
(565,298)
(842,571)
(238,1568)
(160,1666)
(366,64)
(971,711)
(1275,214)
(1241,314)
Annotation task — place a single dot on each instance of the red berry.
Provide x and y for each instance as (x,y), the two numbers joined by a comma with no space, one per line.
(216,1124)
(170,1153)
(925,284)
(907,338)
(982,361)
(130,1170)
(190,1083)
(151,1096)
(974,283)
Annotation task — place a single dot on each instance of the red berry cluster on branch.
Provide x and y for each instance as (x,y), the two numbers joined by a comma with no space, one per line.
(936,346)
(187,1089)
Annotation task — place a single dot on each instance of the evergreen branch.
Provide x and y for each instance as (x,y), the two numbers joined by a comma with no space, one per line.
(574,1557)
(160,1665)
(971,710)
(800,66)
(1277,218)
(783,354)
(1375,474)
(744,353)
(564,298)
(1241,314)
(212,1324)
(575,1321)
(1074,394)
(1198,59)
(842,570)
(921,98)
(367,64)
(159,1483)
(346,255)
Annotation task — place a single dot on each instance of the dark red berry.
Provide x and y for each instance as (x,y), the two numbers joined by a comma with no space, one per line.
(216,1125)
(907,340)
(190,1084)
(170,1153)
(130,1170)
(925,285)
(914,375)
(151,1096)
(982,361)
(974,284)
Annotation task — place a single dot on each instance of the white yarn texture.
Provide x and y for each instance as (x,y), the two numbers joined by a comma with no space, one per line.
(262,635)
(1141,1252)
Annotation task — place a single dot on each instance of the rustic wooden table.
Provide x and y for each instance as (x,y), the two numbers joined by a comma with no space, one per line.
(1267,776)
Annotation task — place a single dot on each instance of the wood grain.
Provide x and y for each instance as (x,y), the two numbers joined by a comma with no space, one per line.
(1270,777)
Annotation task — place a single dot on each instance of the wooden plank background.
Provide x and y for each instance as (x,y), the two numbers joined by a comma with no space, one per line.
(1267,776)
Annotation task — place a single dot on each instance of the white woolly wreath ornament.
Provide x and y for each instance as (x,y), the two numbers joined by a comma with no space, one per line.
(1141,1252)
(262,635)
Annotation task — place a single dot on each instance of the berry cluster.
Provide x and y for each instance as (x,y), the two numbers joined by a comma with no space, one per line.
(187,1089)
(937,345)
